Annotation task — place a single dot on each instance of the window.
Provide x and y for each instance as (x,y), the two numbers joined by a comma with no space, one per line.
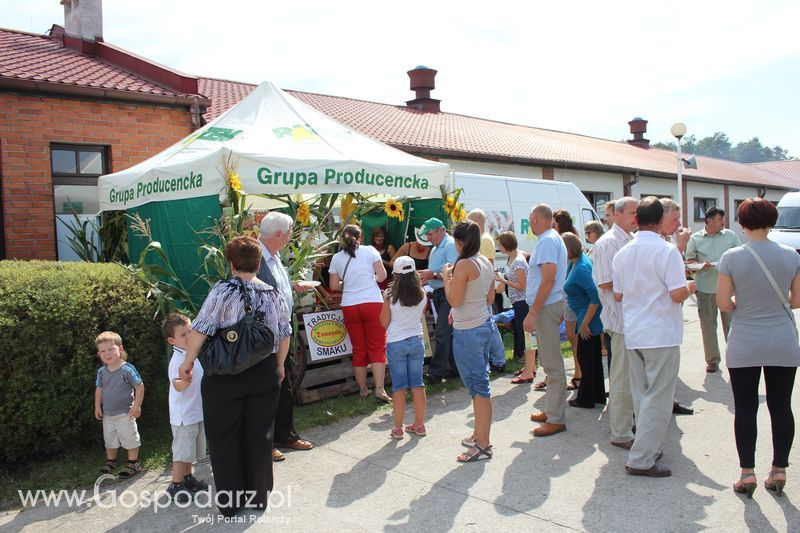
(736,204)
(598,199)
(700,206)
(75,169)
(75,172)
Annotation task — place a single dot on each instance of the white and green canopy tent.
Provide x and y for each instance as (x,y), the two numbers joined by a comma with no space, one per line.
(279,145)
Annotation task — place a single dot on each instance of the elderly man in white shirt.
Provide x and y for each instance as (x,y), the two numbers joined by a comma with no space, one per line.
(620,401)
(649,279)
(276,230)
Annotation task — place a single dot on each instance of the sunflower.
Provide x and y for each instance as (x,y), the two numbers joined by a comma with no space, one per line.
(234,182)
(459,214)
(303,214)
(392,208)
(348,207)
(449,204)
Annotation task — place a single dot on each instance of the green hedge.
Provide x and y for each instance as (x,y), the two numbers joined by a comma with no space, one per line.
(50,313)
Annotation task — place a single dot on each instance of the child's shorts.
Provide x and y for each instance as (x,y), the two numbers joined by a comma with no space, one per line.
(406,358)
(188,442)
(120,430)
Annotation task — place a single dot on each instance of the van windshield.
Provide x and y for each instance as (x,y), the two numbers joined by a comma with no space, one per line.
(788,218)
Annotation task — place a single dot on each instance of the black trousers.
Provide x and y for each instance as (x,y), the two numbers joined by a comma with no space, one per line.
(744,383)
(592,386)
(239,412)
(520,312)
(607,337)
(443,352)
(284,418)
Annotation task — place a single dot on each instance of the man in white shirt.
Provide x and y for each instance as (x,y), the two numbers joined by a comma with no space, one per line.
(650,281)
(276,230)
(620,401)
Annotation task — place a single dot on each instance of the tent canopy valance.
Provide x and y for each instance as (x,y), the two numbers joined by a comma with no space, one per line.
(279,146)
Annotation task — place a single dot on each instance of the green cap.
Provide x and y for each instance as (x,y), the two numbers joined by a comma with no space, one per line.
(430,224)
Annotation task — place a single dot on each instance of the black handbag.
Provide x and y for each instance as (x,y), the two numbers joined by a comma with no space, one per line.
(233,350)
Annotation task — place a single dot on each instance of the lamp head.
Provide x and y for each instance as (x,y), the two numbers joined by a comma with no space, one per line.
(678,130)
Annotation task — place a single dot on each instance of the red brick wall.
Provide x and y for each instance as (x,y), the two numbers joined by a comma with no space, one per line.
(28,124)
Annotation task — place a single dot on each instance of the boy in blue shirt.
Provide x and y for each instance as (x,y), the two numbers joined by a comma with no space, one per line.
(118,396)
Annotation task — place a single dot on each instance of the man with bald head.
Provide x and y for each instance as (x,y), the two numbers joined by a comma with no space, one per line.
(547,270)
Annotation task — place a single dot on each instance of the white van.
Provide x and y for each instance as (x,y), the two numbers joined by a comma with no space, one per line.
(787,229)
(507,203)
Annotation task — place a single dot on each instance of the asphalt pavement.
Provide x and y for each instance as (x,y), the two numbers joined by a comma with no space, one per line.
(359,479)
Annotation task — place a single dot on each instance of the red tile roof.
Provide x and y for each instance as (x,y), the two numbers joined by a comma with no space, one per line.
(789,168)
(448,134)
(39,58)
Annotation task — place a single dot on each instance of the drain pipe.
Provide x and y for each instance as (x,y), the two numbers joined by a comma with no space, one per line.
(626,188)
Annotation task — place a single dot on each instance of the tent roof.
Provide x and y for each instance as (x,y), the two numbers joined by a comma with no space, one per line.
(279,145)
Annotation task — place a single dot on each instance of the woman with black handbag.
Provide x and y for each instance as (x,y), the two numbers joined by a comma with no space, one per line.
(242,337)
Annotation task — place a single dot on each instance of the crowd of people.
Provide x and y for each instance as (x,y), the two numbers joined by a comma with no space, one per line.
(621,298)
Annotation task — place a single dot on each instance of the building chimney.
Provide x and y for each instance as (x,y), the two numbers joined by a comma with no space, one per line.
(638,129)
(83,19)
(422,82)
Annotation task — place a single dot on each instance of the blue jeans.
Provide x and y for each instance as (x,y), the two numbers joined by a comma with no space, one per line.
(497,352)
(405,362)
(471,350)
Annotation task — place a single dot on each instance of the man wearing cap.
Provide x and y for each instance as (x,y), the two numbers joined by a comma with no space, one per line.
(443,253)
(707,246)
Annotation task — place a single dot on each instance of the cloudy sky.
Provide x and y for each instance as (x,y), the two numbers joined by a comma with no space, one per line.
(582,67)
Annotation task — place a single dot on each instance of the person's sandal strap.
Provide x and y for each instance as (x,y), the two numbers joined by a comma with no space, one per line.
(110,465)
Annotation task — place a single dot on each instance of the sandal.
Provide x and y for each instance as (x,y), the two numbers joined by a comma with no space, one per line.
(518,380)
(574,383)
(397,433)
(381,395)
(469,442)
(474,454)
(130,470)
(417,430)
(542,385)
(775,483)
(365,393)
(746,487)
(110,465)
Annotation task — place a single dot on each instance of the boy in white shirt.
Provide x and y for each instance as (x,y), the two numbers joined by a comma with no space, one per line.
(185,411)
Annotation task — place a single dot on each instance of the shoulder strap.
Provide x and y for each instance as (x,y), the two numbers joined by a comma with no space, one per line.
(346,267)
(781,296)
(248,305)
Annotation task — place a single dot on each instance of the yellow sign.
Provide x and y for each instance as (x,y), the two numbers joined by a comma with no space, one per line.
(327,336)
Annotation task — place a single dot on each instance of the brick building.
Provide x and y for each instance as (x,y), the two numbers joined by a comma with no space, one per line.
(71,109)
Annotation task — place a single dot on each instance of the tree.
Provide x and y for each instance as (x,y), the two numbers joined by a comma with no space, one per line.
(719,145)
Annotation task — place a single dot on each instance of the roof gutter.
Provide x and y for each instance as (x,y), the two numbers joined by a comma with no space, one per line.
(455,154)
(61,89)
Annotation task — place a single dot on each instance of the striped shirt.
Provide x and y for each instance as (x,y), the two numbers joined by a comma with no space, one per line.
(603,254)
(224,307)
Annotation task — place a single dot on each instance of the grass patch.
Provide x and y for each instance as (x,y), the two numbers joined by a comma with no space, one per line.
(78,468)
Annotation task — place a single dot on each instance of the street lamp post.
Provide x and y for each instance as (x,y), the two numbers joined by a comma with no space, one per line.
(678,130)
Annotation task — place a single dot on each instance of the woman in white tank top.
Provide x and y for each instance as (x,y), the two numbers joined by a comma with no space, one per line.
(469,287)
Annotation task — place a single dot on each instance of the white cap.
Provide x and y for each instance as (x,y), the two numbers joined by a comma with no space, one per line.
(403,265)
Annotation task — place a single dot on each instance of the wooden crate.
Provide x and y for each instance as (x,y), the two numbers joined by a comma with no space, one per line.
(319,380)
